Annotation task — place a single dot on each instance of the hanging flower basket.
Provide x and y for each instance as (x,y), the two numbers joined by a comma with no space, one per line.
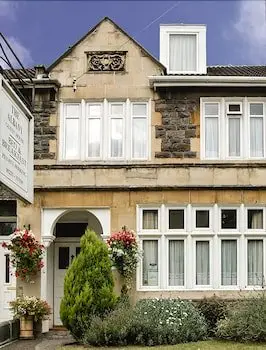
(125,253)
(26,254)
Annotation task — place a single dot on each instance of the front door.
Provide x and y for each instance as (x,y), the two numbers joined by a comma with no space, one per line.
(7,285)
(64,254)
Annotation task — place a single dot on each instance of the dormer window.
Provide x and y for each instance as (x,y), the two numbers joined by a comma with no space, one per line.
(183,49)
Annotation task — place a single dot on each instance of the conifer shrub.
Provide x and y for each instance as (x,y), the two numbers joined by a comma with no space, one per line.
(88,286)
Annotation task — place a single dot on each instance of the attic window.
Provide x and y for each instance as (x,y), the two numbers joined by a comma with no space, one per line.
(104,61)
(183,49)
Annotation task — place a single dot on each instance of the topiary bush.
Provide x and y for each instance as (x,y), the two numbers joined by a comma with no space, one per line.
(166,321)
(214,309)
(112,329)
(88,286)
(246,321)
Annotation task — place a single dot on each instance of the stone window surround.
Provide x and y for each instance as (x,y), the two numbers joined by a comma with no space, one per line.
(223,126)
(105,147)
(190,235)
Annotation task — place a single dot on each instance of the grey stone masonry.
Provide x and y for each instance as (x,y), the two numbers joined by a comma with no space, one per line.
(5,194)
(177,126)
(43,132)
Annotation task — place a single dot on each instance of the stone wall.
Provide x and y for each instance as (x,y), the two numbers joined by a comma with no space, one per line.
(43,131)
(5,194)
(177,126)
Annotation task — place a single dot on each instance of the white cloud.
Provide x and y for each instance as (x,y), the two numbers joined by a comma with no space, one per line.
(21,51)
(8,9)
(250,27)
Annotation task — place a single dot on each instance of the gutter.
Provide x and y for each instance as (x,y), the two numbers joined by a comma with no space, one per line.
(204,80)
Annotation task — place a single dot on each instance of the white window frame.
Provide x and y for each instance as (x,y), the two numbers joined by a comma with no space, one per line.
(240,117)
(140,219)
(194,274)
(202,229)
(198,30)
(223,102)
(230,230)
(177,238)
(87,118)
(250,230)
(175,230)
(140,285)
(262,101)
(105,120)
(219,262)
(254,238)
(147,127)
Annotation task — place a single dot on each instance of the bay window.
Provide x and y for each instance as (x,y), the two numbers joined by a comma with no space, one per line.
(233,129)
(193,247)
(104,130)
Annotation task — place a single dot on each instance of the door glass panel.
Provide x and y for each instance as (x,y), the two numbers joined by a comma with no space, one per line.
(78,250)
(63,262)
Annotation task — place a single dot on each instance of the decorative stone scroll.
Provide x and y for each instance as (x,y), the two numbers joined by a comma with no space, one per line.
(102,61)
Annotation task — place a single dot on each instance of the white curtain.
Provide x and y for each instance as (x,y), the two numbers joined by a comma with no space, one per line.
(150,263)
(182,52)
(256,219)
(94,137)
(234,137)
(139,138)
(255,262)
(72,138)
(150,219)
(176,263)
(256,137)
(211,137)
(116,137)
(202,263)
(229,262)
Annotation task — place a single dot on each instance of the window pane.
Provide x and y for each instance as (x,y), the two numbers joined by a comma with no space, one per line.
(176,263)
(229,262)
(117,109)
(8,208)
(202,218)
(256,109)
(72,139)
(234,107)
(229,218)
(139,138)
(183,52)
(72,110)
(255,219)
(63,257)
(139,109)
(116,138)
(211,108)
(95,110)
(150,263)
(94,137)
(7,228)
(256,137)
(150,219)
(7,274)
(255,262)
(211,138)
(234,137)
(202,263)
(176,219)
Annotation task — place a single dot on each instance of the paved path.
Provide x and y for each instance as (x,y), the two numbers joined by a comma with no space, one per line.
(22,345)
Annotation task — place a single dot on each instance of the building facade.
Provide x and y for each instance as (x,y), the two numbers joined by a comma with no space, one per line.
(172,149)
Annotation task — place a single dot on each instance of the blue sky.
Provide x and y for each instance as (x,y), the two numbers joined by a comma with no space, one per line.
(40,31)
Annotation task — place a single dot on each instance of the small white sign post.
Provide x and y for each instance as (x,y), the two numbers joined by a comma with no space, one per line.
(16,143)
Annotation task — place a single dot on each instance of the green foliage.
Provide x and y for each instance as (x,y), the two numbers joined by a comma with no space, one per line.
(113,329)
(166,321)
(214,309)
(246,321)
(88,285)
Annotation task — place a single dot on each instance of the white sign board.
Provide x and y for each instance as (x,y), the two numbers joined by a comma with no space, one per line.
(16,143)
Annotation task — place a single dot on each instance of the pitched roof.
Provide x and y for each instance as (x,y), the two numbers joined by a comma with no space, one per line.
(245,71)
(15,73)
(155,60)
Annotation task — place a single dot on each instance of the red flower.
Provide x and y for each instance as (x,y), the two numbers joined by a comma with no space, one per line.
(4,245)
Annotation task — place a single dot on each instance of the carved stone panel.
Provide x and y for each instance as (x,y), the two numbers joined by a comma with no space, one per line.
(103,61)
